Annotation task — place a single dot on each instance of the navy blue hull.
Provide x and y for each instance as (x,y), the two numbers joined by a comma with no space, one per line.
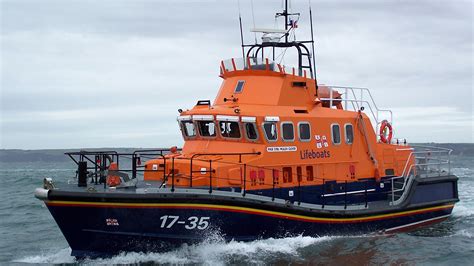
(107,230)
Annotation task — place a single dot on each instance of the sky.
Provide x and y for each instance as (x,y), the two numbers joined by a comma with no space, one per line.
(113,73)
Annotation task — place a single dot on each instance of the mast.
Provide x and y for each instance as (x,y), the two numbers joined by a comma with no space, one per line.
(285,14)
(242,39)
(269,41)
(312,46)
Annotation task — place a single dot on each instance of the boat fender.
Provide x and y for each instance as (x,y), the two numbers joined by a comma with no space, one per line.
(386,132)
(41,193)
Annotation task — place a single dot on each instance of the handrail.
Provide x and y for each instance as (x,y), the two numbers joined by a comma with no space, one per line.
(100,157)
(240,154)
(408,174)
(273,185)
(357,102)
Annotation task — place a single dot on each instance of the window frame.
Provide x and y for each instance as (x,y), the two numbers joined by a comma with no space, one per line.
(281,130)
(332,134)
(229,138)
(265,133)
(183,129)
(199,129)
(345,133)
(299,132)
(256,131)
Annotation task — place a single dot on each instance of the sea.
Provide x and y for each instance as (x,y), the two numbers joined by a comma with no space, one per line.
(29,235)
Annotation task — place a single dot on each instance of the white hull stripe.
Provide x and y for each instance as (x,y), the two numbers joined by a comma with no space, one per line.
(350,192)
(415,223)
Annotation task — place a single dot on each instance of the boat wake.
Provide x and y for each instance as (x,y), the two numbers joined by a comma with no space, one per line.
(466,194)
(54,257)
(212,251)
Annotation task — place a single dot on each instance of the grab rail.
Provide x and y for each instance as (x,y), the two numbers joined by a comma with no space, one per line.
(357,102)
(418,164)
(274,185)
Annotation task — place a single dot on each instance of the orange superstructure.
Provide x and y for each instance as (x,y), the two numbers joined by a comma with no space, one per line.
(287,130)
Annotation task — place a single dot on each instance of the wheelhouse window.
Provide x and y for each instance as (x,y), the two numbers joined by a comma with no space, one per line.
(188,128)
(288,132)
(336,134)
(207,128)
(270,129)
(349,133)
(251,131)
(304,131)
(239,87)
(229,129)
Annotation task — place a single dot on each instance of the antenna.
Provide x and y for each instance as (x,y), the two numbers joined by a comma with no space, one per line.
(279,39)
(312,47)
(287,22)
(241,35)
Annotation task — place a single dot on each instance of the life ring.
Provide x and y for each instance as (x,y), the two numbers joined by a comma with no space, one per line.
(386,137)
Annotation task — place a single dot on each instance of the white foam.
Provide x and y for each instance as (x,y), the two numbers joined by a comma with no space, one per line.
(216,252)
(463,210)
(462,171)
(213,251)
(464,233)
(61,256)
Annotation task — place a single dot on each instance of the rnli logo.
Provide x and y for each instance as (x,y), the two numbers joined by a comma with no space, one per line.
(321,141)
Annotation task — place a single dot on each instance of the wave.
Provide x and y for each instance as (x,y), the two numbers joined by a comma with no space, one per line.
(461,210)
(220,252)
(464,233)
(212,251)
(54,257)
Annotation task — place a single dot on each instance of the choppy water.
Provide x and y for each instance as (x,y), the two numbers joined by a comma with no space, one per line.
(28,233)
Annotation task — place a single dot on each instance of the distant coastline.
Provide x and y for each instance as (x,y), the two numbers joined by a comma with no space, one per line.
(57,155)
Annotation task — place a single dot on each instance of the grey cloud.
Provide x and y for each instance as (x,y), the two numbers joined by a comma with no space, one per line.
(60,57)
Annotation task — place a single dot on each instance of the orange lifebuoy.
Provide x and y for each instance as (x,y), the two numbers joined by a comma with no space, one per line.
(386,137)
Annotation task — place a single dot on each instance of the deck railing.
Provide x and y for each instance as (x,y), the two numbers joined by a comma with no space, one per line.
(264,64)
(356,99)
(423,162)
(99,167)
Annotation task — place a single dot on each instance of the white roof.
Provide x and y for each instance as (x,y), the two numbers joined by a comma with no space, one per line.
(232,118)
(203,117)
(249,119)
(272,118)
(268,30)
(184,117)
